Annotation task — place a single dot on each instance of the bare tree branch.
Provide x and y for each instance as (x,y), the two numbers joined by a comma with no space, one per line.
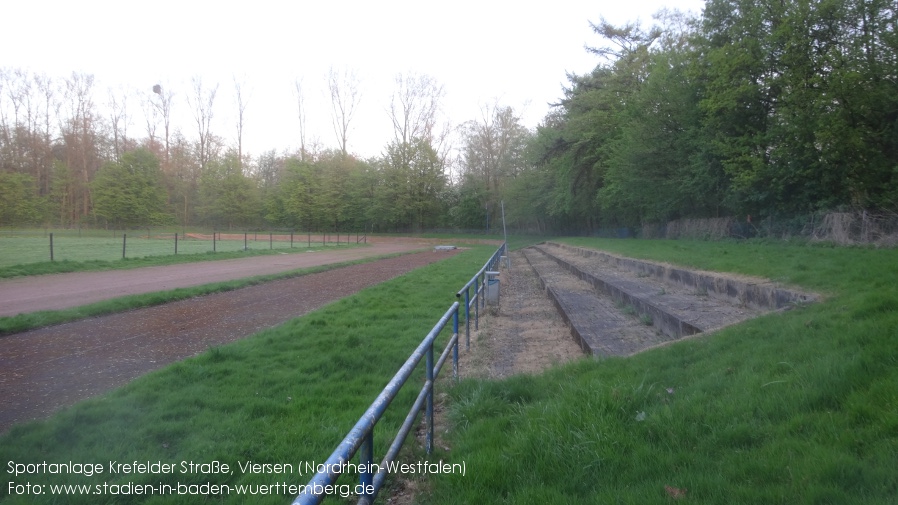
(345,97)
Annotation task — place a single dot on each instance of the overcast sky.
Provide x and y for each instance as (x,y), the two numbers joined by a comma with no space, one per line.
(481,51)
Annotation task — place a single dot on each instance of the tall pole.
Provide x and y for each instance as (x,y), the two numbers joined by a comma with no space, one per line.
(504,233)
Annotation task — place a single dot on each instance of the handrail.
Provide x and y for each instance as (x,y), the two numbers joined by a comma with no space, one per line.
(361,437)
(478,282)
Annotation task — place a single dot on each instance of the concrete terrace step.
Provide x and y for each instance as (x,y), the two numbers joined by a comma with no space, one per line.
(751,292)
(596,323)
(674,309)
(618,306)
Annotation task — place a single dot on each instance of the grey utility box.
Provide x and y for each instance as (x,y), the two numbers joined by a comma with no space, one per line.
(492,288)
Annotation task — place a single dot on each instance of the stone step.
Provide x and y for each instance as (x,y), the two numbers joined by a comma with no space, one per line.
(760,294)
(598,325)
(674,309)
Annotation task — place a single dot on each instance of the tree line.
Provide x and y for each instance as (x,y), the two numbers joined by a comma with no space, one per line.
(753,109)
(67,160)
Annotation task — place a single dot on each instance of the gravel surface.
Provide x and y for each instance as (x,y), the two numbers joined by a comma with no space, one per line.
(46,369)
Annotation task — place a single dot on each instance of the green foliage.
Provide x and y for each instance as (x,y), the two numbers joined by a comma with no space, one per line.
(227,197)
(19,203)
(762,108)
(411,179)
(129,194)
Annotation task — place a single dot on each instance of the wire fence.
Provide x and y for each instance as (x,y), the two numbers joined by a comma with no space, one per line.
(33,246)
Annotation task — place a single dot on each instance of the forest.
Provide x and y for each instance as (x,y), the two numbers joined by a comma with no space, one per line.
(755,109)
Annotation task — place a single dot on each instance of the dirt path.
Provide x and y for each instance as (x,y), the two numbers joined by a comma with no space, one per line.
(44,370)
(62,291)
(525,335)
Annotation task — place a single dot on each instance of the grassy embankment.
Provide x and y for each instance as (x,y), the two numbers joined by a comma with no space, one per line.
(285,395)
(795,407)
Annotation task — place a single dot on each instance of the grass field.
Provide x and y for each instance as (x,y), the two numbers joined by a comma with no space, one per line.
(794,407)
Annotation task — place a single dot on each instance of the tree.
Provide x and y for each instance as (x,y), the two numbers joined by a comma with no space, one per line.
(296,204)
(164,106)
(493,151)
(301,114)
(202,103)
(414,108)
(82,140)
(494,145)
(345,96)
(129,193)
(20,203)
(655,166)
(411,182)
(119,120)
(227,197)
(241,100)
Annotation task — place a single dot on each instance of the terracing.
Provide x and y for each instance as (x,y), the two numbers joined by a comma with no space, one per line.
(618,306)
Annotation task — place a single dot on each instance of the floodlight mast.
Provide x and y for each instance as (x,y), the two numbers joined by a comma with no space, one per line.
(504,232)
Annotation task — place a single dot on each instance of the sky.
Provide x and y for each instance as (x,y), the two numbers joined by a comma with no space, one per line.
(484,52)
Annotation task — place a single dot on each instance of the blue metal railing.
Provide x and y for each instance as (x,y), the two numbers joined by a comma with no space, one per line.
(477,282)
(360,438)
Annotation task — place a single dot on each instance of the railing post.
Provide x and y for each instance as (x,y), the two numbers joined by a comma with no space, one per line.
(467,318)
(477,303)
(366,458)
(455,347)
(429,412)
(483,291)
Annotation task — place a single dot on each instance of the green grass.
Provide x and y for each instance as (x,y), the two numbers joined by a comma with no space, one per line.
(795,407)
(29,253)
(285,395)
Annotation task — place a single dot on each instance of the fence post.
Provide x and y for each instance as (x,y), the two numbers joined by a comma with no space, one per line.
(124,242)
(176,242)
(291,239)
(310,239)
(245,247)
(213,241)
(51,246)
(270,240)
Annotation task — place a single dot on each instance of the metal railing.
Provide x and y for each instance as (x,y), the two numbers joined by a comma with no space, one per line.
(360,439)
(477,282)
